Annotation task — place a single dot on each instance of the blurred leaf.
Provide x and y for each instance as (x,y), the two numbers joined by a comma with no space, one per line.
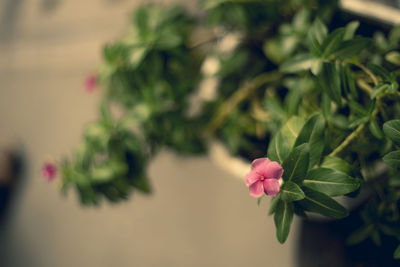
(317,35)
(360,234)
(283,219)
(291,192)
(393,159)
(393,57)
(379,90)
(298,63)
(329,80)
(350,30)
(332,42)
(350,48)
(392,130)
(330,182)
(375,129)
(396,253)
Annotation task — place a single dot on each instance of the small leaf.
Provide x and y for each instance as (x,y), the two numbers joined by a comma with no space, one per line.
(332,42)
(259,200)
(320,203)
(330,182)
(296,165)
(393,159)
(350,30)
(298,63)
(283,219)
(392,130)
(350,48)
(317,35)
(396,253)
(393,57)
(360,234)
(291,192)
(375,129)
(380,89)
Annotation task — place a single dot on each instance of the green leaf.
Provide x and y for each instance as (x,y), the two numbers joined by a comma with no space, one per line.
(332,42)
(393,159)
(298,63)
(360,234)
(259,200)
(274,203)
(330,182)
(329,79)
(317,35)
(291,192)
(350,30)
(278,148)
(396,253)
(335,163)
(381,71)
(380,89)
(282,143)
(375,129)
(313,133)
(297,163)
(320,203)
(283,219)
(350,48)
(392,130)
(393,57)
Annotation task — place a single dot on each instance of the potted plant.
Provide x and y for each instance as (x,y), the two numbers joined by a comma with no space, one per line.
(306,94)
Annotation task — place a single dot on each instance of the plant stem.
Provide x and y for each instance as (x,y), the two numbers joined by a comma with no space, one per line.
(244,91)
(366,70)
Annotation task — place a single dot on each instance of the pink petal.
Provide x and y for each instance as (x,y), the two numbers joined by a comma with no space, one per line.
(259,162)
(251,178)
(90,83)
(271,170)
(257,189)
(271,187)
(49,171)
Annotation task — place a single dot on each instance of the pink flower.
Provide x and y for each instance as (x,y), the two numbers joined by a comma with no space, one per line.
(90,83)
(49,171)
(264,177)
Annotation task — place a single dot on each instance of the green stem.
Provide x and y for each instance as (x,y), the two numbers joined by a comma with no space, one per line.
(241,94)
(366,70)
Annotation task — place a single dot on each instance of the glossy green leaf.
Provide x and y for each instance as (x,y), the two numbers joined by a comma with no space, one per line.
(313,133)
(338,164)
(282,143)
(393,159)
(291,192)
(283,219)
(274,203)
(318,202)
(298,63)
(392,130)
(296,165)
(330,182)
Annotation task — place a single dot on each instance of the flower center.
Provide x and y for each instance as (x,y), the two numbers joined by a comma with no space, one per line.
(262,178)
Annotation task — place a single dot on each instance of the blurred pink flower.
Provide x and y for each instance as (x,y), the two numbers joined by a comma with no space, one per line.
(264,177)
(90,83)
(49,171)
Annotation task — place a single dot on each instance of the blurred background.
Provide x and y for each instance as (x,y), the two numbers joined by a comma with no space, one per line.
(198,215)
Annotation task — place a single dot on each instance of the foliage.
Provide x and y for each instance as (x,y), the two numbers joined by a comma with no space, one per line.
(305,89)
